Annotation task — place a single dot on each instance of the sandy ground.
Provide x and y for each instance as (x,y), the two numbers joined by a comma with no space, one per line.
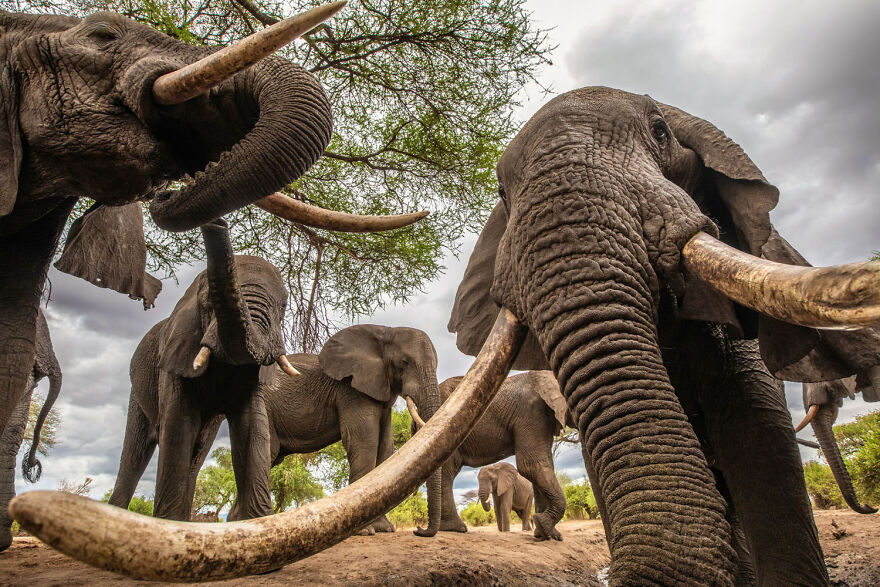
(481,557)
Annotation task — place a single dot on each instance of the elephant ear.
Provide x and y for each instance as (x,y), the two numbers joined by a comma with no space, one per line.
(356,352)
(796,353)
(506,478)
(106,247)
(181,337)
(545,385)
(10,136)
(474,311)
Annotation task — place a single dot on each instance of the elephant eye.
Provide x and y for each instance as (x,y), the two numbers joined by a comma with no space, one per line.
(660,131)
(103,33)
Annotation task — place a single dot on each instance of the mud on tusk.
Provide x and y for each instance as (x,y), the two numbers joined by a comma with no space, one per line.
(197,78)
(287,367)
(295,211)
(150,548)
(201,358)
(841,296)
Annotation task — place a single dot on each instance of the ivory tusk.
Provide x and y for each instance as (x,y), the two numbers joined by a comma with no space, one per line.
(201,358)
(287,367)
(811,413)
(841,296)
(197,78)
(150,548)
(414,412)
(302,213)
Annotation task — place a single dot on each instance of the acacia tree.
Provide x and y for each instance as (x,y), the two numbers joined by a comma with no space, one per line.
(48,438)
(423,93)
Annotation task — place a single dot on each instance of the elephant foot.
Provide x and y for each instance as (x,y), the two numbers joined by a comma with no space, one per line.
(425,532)
(5,538)
(383,524)
(526,527)
(544,529)
(454,525)
(368,531)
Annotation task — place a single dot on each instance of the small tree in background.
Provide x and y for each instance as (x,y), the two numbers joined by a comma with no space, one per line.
(411,512)
(473,514)
(83,488)
(215,486)
(139,504)
(292,484)
(48,432)
(580,503)
(822,487)
(859,443)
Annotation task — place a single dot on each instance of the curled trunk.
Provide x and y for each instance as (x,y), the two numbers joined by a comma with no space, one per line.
(31,468)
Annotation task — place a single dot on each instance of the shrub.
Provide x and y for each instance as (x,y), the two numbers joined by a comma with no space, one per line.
(822,487)
(411,512)
(580,502)
(473,514)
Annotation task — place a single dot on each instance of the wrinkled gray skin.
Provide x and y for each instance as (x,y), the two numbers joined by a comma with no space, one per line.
(77,118)
(510,491)
(347,393)
(235,308)
(683,427)
(45,365)
(521,420)
(829,396)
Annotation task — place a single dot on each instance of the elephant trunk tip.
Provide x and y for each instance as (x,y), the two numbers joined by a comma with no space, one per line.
(31,468)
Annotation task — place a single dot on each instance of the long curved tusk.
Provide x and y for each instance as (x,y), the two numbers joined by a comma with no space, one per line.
(201,358)
(287,367)
(149,548)
(302,213)
(842,296)
(197,78)
(811,413)
(414,412)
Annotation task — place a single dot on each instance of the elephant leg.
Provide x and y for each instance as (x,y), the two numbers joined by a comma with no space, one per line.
(386,449)
(359,429)
(450,521)
(137,450)
(203,446)
(502,510)
(10,442)
(540,499)
(534,461)
(249,436)
(753,443)
(526,515)
(179,427)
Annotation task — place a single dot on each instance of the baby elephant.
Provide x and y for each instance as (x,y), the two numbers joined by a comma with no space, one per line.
(510,491)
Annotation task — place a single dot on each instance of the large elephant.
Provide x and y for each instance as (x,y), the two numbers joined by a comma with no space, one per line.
(596,247)
(510,492)
(109,109)
(195,367)
(522,420)
(45,365)
(600,215)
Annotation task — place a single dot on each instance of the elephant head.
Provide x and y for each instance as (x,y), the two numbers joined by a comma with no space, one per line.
(606,199)
(110,109)
(496,479)
(823,401)
(384,363)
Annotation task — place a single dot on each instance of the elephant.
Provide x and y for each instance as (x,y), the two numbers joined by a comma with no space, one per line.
(110,109)
(824,400)
(195,367)
(522,420)
(510,491)
(601,262)
(45,365)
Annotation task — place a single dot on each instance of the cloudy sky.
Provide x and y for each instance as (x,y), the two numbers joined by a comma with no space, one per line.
(795,83)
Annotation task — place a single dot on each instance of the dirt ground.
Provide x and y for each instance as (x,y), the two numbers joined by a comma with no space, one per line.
(480,557)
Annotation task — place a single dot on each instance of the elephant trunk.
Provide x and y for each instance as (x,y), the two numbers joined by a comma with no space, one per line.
(291,133)
(237,334)
(31,468)
(10,441)
(484,495)
(822,427)
(429,404)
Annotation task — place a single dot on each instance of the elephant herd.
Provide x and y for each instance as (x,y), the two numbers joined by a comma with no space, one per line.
(629,266)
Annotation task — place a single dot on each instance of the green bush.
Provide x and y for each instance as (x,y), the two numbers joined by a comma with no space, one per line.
(473,514)
(580,502)
(139,504)
(411,512)
(822,487)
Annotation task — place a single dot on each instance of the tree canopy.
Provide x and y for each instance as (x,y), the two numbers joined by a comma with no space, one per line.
(423,94)
(48,433)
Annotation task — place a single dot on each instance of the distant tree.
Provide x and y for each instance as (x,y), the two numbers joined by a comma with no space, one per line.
(468,496)
(859,443)
(48,433)
(580,501)
(423,94)
(563,478)
(822,487)
(215,485)
(139,503)
(292,484)
(401,423)
(566,436)
(83,488)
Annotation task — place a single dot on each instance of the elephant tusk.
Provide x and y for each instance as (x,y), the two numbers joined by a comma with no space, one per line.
(841,296)
(150,548)
(197,78)
(414,412)
(296,211)
(201,358)
(287,367)
(811,413)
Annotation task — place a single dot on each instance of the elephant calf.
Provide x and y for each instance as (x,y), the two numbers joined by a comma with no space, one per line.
(510,491)
(522,420)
